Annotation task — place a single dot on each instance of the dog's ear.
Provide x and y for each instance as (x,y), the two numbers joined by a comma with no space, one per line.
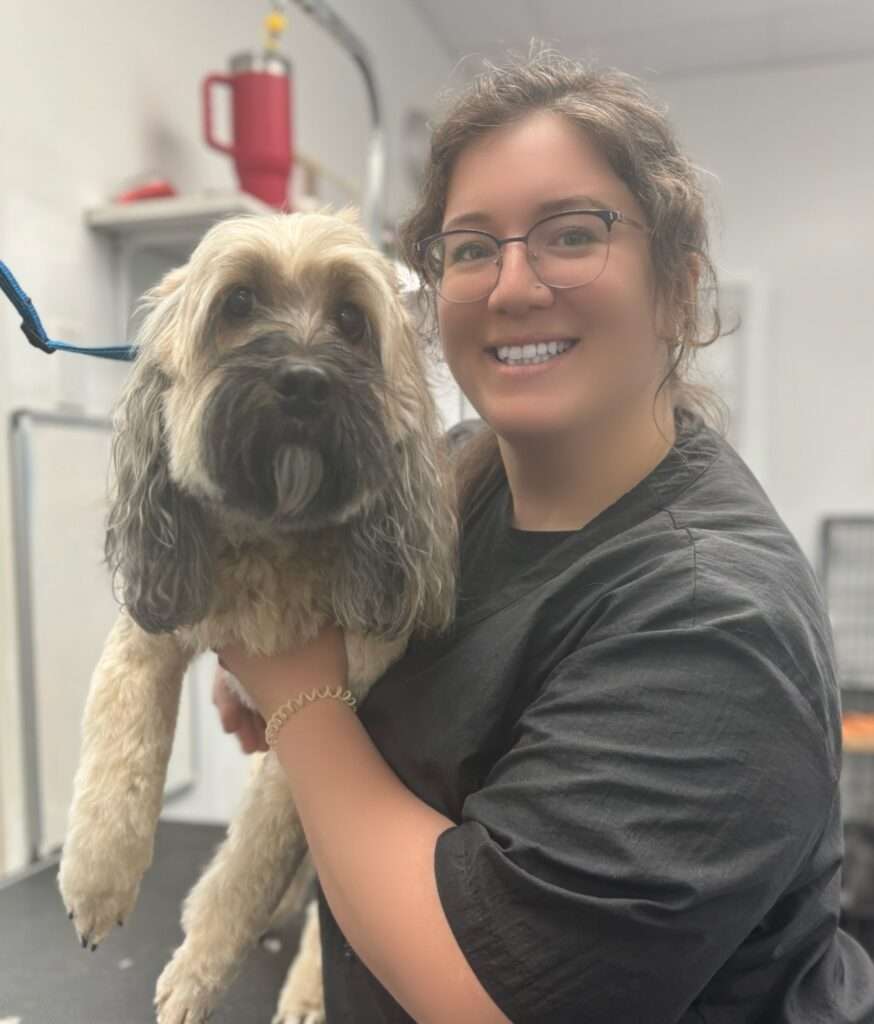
(398,569)
(157,537)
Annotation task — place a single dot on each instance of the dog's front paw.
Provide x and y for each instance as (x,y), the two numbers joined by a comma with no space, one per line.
(313,1017)
(299,1013)
(183,994)
(302,999)
(98,891)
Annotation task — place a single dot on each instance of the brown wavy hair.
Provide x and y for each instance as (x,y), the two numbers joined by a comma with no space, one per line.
(638,141)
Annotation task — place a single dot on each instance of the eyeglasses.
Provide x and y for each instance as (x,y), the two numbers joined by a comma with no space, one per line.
(565,250)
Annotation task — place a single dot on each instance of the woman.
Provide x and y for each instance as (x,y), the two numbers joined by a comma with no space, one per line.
(612,793)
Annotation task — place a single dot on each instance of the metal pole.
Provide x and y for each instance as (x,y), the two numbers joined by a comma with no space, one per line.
(374,190)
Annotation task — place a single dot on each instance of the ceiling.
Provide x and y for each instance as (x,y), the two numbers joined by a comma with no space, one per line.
(656,38)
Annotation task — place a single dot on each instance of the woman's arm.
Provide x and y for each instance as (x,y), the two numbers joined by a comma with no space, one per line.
(372,841)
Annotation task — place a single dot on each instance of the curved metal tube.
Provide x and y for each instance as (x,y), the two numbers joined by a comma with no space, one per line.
(374,190)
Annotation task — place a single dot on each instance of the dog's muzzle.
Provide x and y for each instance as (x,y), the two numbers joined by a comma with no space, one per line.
(283,435)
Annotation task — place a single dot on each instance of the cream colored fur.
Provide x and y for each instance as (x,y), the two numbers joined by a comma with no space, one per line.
(269,589)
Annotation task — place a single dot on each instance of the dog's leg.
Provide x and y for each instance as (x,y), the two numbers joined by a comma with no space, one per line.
(127,736)
(302,998)
(233,902)
(298,895)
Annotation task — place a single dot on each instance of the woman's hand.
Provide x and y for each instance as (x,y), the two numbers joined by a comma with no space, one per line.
(246,724)
(272,680)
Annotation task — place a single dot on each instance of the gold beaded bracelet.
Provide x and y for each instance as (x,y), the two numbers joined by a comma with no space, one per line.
(291,707)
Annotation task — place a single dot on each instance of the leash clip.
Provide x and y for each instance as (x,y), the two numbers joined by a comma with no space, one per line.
(35,333)
(35,338)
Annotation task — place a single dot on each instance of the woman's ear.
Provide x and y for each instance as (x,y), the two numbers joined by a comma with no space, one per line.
(672,306)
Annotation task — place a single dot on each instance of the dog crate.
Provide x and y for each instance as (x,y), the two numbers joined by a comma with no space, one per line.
(847,577)
(846,570)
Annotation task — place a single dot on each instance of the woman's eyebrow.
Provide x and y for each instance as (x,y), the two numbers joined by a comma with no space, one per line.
(541,210)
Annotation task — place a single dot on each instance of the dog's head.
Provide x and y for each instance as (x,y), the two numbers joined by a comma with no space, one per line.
(279,388)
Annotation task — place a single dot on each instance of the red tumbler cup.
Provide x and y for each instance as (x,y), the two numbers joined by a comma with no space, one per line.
(261,123)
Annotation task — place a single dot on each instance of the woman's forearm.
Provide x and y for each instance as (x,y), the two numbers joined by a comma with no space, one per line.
(372,842)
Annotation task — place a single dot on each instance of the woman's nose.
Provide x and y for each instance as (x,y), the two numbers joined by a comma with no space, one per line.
(518,287)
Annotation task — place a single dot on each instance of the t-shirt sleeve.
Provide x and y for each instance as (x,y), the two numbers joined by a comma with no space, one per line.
(660,793)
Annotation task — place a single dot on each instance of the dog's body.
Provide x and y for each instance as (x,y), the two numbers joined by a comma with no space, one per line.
(278,466)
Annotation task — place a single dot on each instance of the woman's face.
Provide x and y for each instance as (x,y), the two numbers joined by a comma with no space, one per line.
(500,184)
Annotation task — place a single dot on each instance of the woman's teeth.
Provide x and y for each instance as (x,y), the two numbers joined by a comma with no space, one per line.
(525,355)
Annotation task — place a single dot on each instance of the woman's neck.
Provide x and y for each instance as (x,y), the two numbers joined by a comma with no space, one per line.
(563,483)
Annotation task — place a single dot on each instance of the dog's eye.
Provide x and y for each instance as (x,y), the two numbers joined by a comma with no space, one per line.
(239,303)
(351,321)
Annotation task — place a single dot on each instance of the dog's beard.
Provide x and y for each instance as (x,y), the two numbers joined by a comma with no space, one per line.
(287,471)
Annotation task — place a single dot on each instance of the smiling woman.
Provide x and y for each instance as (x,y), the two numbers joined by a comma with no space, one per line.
(610,793)
(598,306)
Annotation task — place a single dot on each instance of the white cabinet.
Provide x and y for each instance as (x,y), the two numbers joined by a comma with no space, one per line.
(154,235)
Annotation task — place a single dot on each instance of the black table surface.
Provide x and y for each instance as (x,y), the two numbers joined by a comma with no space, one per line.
(47,978)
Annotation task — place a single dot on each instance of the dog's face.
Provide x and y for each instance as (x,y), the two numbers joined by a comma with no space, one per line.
(278,388)
(287,356)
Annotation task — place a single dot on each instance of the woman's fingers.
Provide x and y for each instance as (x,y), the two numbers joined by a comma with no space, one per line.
(230,708)
(236,718)
(251,734)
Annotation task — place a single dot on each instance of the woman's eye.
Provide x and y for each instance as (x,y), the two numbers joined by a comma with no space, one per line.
(240,303)
(573,237)
(469,252)
(351,321)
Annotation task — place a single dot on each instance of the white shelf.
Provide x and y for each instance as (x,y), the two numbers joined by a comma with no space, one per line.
(191,214)
(150,236)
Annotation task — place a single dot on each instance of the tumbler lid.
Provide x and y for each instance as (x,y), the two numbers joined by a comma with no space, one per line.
(263,61)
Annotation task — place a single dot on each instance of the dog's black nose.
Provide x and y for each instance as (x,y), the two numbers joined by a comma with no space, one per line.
(306,389)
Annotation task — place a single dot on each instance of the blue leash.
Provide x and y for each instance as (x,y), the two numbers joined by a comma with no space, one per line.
(35,332)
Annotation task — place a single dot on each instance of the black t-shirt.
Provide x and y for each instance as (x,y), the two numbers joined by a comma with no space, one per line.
(636,728)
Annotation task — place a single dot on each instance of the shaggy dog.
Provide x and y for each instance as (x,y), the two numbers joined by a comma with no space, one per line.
(277,465)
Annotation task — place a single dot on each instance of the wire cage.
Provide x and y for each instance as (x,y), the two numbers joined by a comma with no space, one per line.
(847,577)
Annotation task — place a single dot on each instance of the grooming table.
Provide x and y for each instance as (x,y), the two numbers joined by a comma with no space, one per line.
(47,978)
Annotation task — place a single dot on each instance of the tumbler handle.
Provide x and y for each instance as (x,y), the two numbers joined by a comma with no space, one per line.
(211,140)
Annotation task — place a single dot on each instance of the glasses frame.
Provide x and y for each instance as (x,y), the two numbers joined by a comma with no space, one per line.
(609,217)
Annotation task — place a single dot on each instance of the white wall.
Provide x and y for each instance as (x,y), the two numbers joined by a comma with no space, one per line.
(793,154)
(94,93)
(115,91)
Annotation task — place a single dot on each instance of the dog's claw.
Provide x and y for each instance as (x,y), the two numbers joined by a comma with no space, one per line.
(97,906)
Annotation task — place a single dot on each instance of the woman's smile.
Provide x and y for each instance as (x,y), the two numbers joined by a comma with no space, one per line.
(525,359)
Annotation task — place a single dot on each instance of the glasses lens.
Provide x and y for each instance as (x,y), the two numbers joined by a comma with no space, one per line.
(569,250)
(462,265)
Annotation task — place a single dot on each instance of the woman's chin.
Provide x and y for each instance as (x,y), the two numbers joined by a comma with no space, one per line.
(534,418)
(532,429)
